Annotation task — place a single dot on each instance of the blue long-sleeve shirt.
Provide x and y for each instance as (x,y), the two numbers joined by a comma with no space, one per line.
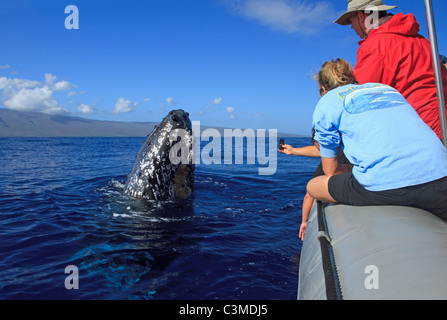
(381,135)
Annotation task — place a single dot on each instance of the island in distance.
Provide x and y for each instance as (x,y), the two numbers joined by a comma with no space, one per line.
(36,124)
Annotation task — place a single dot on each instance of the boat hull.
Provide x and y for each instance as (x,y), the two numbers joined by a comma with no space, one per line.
(377,252)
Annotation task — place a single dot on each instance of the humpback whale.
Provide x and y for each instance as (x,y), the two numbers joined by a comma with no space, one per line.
(164,166)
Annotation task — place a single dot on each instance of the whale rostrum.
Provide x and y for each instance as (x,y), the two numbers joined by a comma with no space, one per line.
(164,167)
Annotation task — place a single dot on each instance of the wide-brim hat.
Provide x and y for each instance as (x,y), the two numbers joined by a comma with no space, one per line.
(361,5)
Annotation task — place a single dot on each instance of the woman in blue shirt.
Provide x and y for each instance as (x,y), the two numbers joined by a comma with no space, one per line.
(397,159)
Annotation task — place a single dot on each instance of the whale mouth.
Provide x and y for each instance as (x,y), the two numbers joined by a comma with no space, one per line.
(182,187)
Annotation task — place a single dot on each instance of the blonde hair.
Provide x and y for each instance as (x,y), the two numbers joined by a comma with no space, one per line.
(335,73)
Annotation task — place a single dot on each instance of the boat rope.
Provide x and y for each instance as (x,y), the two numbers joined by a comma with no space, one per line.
(333,289)
(323,234)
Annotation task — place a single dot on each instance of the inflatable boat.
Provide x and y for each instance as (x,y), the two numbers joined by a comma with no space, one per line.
(373,253)
(377,252)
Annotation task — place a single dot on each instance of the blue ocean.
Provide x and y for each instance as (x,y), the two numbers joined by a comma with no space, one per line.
(62,204)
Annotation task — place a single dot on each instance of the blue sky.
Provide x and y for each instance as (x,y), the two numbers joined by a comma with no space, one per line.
(236,63)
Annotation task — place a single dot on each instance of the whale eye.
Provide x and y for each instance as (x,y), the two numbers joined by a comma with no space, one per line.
(187,114)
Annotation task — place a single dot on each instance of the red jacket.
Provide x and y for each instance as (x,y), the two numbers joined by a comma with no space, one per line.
(396,55)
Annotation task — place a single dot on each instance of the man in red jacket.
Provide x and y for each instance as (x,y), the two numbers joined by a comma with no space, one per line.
(392,52)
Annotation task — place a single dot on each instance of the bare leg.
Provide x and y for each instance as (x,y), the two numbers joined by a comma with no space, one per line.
(318,189)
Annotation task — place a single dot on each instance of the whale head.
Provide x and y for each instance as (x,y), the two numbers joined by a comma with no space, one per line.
(164,167)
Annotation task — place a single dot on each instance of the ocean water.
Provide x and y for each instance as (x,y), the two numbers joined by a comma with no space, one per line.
(61,204)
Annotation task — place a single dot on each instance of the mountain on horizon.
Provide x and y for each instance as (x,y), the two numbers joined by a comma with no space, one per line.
(36,124)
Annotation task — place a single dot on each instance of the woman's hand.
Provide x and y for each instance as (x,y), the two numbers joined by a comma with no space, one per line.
(302,230)
(309,151)
(288,149)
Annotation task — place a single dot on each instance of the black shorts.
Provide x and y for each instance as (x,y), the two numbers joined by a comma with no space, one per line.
(431,196)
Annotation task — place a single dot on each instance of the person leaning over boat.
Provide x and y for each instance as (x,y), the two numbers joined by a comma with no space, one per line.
(393,52)
(397,159)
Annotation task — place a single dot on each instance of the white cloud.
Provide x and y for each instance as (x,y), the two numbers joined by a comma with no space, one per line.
(36,99)
(6,66)
(85,109)
(50,79)
(62,86)
(9,84)
(216,100)
(146,99)
(57,86)
(231,111)
(28,95)
(123,106)
(71,93)
(291,16)
(170,101)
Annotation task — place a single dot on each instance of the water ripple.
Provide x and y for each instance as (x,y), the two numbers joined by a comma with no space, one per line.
(62,204)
